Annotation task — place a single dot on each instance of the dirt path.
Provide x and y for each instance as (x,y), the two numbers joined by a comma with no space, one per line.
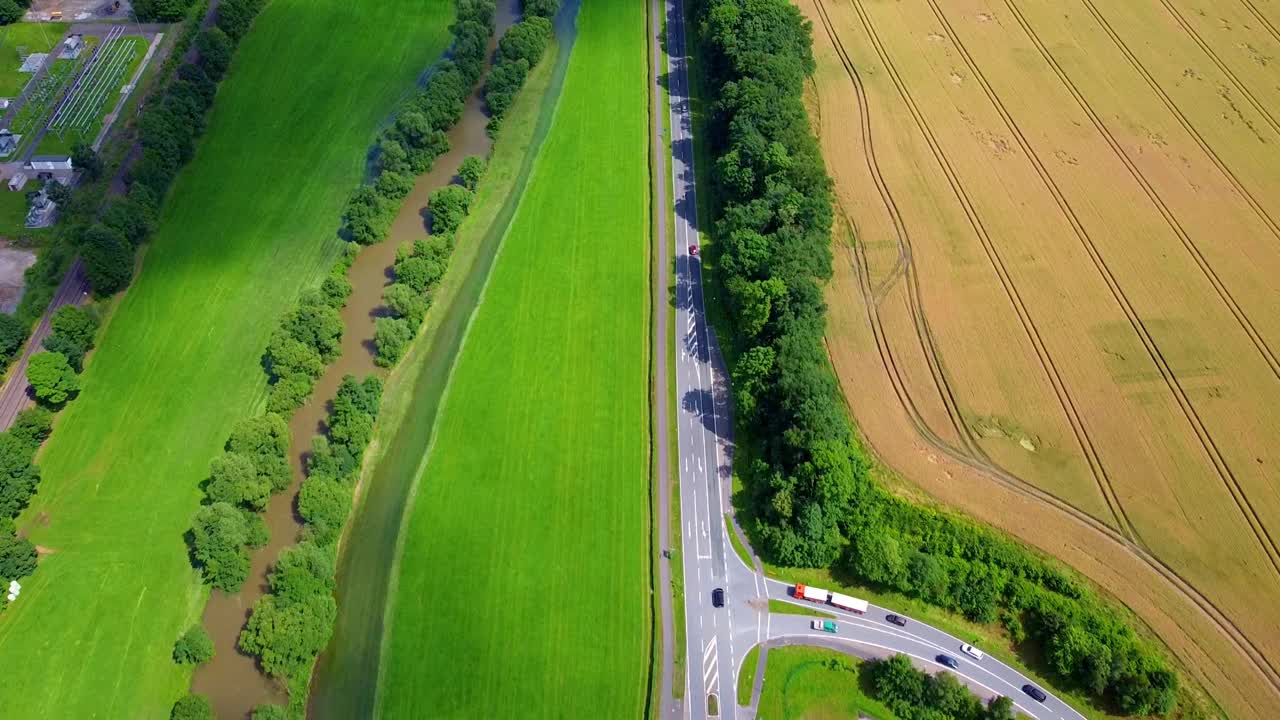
(668,706)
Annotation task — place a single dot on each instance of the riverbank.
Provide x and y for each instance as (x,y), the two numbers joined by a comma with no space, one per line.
(232,680)
(536,482)
(345,677)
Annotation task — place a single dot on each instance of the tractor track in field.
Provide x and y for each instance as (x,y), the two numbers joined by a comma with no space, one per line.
(1206,269)
(1253,10)
(1073,416)
(904,268)
(1155,86)
(1180,585)
(1210,446)
(1207,50)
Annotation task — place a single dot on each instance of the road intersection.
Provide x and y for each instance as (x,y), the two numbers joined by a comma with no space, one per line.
(719,638)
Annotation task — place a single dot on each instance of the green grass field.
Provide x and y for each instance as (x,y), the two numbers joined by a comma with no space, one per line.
(344,684)
(804,682)
(249,223)
(93,106)
(36,38)
(524,577)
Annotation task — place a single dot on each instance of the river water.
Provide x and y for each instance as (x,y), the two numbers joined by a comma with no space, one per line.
(232,680)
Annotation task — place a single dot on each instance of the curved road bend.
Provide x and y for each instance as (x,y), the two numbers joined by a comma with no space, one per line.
(73,290)
(718,639)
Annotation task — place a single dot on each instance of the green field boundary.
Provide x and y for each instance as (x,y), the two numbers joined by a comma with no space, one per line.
(747,675)
(782,607)
(813,682)
(738,547)
(408,413)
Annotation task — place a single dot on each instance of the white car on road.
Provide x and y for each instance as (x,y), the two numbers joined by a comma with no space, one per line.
(972,652)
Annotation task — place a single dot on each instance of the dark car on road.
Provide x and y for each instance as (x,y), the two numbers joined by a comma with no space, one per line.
(896,620)
(717,597)
(948,661)
(1034,692)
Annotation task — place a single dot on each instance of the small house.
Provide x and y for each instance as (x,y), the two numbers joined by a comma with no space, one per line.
(8,143)
(18,181)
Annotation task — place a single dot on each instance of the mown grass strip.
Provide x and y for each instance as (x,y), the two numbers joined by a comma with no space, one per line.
(782,607)
(747,675)
(525,552)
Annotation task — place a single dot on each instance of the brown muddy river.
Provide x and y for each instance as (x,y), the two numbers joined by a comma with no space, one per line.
(232,680)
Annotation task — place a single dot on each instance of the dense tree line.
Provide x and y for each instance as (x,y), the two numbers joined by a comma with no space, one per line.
(308,338)
(291,625)
(419,267)
(253,465)
(815,504)
(11,11)
(19,478)
(417,137)
(165,11)
(917,695)
(53,378)
(169,127)
(520,48)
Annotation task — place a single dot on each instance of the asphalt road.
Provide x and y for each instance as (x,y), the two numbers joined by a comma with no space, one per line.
(718,639)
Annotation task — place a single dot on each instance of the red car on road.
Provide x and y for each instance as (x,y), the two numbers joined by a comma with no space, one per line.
(693,250)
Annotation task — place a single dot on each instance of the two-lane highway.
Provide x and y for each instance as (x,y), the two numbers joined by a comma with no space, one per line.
(717,636)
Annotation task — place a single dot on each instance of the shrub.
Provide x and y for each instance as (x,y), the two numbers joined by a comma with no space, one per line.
(543,8)
(13,335)
(108,260)
(52,378)
(192,707)
(194,647)
(449,206)
(17,555)
(471,170)
(32,426)
(526,40)
(391,336)
(219,536)
(235,16)
(407,303)
(73,329)
(324,504)
(215,48)
(286,636)
(270,712)
(10,12)
(18,477)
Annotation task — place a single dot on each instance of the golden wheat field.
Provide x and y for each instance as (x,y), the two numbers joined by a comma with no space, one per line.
(1057,292)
